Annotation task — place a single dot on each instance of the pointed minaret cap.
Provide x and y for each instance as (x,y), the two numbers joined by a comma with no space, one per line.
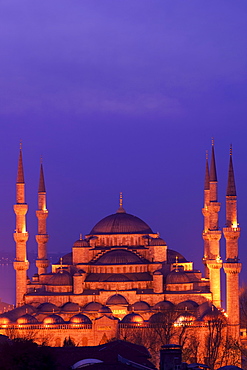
(213,175)
(206,181)
(231,188)
(41,179)
(121,209)
(20,173)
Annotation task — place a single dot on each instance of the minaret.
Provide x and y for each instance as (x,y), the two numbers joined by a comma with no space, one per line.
(21,263)
(42,263)
(214,262)
(205,213)
(232,267)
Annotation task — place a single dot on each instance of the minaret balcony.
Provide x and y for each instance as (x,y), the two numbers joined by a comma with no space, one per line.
(231,233)
(214,264)
(42,238)
(214,207)
(42,263)
(214,235)
(42,214)
(21,265)
(21,237)
(232,267)
(20,209)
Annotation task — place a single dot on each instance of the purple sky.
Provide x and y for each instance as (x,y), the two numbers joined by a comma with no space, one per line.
(122,96)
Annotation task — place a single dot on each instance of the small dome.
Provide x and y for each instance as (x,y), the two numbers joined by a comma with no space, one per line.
(141,306)
(121,223)
(157,241)
(163,305)
(158,318)
(53,319)
(213,314)
(92,306)
(186,317)
(157,272)
(27,319)
(66,259)
(81,243)
(116,299)
(70,307)
(187,305)
(177,277)
(80,319)
(173,256)
(48,307)
(4,320)
(203,308)
(62,277)
(118,256)
(132,318)
(105,310)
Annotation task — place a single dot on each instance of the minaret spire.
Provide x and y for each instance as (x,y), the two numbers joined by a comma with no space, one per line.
(42,237)
(20,172)
(212,234)
(206,181)
(21,263)
(213,174)
(205,213)
(231,187)
(41,180)
(232,267)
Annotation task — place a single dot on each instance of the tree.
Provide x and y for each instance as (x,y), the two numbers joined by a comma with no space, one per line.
(68,342)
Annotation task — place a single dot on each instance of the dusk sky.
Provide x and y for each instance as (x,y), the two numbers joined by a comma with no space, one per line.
(122,96)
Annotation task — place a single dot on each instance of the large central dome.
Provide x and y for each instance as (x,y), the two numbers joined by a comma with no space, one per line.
(121,223)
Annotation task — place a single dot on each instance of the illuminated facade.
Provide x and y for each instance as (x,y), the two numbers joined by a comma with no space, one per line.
(122,275)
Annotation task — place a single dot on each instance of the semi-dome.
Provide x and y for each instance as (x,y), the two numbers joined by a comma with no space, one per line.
(132,318)
(117,278)
(70,307)
(118,256)
(121,223)
(80,319)
(48,307)
(116,299)
(177,277)
(62,277)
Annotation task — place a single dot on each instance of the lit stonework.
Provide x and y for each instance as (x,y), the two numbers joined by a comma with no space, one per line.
(21,264)
(122,277)
(42,263)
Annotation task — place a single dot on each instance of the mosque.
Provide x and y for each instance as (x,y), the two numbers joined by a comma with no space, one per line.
(123,275)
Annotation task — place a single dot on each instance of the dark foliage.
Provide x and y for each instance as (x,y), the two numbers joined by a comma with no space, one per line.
(22,354)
